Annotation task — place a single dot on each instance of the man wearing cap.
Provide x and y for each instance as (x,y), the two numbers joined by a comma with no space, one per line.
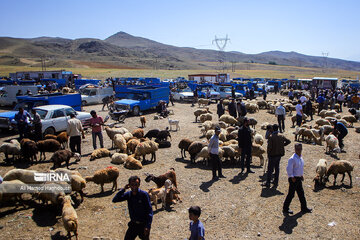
(245,145)
(213,148)
(95,123)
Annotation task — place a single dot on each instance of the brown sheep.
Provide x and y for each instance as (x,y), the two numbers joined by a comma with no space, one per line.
(63,156)
(138,133)
(132,163)
(143,121)
(106,175)
(194,148)
(99,153)
(69,217)
(131,145)
(339,167)
(48,145)
(63,139)
(184,146)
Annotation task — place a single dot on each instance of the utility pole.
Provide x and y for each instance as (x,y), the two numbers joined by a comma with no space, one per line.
(221,44)
(233,66)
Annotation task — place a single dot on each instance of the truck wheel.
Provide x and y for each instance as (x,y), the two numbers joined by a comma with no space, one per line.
(83,103)
(49,130)
(136,111)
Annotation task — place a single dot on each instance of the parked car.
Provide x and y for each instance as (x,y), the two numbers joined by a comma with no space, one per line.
(184,95)
(214,95)
(92,94)
(54,118)
(225,92)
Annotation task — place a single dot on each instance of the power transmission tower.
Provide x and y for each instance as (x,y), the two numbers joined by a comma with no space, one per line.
(325,55)
(233,66)
(221,44)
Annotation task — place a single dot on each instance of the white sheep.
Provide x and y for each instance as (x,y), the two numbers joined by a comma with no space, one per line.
(119,158)
(51,192)
(7,190)
(350,118)
(204,102)
(111,132)
(127,136)
(147,147)
(320,171)
(120,143)
(228,119)
(258,139)
(26,176)
(332,144)
(205,117)
(13,148)
(99,153)
(204,153)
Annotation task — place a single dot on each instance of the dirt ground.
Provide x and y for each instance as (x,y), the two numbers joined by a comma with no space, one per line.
(236,207)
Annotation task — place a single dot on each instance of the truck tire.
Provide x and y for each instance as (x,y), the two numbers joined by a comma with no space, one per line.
(136,111)
(49,130)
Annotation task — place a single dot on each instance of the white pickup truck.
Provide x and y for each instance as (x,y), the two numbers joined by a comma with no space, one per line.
(92,94)
(8,93)
(54,118)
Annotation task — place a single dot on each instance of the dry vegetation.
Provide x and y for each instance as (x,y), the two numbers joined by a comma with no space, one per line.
(236,207)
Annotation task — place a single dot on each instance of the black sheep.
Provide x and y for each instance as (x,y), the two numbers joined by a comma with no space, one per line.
(152,133)
(163,135)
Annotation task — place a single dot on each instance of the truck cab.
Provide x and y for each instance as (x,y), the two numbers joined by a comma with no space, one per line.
(92,94)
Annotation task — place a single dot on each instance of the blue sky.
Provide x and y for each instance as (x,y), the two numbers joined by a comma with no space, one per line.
(308,27)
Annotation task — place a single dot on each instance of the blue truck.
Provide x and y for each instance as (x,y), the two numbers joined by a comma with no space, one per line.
(29,102)
(140,98)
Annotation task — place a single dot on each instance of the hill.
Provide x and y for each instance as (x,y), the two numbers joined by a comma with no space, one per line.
(123,50)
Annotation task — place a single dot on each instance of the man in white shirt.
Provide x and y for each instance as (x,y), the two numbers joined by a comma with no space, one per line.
(303,99)
(74,129)
(340,99)
(299,113)
(213,148)
(295,171)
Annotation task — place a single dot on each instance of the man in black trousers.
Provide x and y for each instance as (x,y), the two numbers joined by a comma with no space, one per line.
(295,171)
(245,145)
(232,108)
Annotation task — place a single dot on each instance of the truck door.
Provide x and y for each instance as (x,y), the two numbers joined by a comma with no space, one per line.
(146,101)
(59,120)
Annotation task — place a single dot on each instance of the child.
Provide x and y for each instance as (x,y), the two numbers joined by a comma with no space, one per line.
(196,227)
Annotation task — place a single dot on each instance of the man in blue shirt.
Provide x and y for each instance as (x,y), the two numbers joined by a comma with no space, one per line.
(22,121)
(140,209)
(321,101)
(341,131)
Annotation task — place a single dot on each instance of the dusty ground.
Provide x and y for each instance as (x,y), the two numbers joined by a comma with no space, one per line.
(236,207)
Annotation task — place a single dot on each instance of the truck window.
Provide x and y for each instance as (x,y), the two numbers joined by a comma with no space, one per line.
(58,113)
(93,93)
(68,111)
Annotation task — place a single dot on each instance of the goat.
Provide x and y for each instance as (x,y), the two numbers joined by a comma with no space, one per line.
(160,180)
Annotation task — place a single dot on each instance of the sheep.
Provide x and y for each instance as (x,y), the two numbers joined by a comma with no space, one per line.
(204,102)
(198,112)
(319,134)
(138,133)
(7,190)
(208,125)
(184,146)
(228,119)
(143,121)
(99,153)
(119,158)
(67,171)
(26,176)
(106,175)
(205,117)
(233,135)
(346,124)
(204,153)
(131,145)
(229,152)
(252,108)
(147,147)
(160,180)
(262,104)
(332,144)
(48,145)
(51,192)
(209,134)
(264,125)
(12,148)
(350,118)
(322,122)
(194,148)
(259,139)
(327,129)
(78,184)
(50,136)
(29,149)
(357,129)
(222,124)
(339,167)
(163,135)
(127,136)
(63,156)
(330,119)
(163,144)
(258,151)
(230,142)
(152,133)
(174,122)
(320,171)
(65,90)
(252,122)
(120,142)
(63,139)
(331,113)
(230,129)
(308,133)
(160,193)
(69,217)
(293,119)
(111,132)
(132,163)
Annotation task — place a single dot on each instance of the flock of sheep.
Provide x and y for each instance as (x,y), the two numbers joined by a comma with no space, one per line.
(132,148)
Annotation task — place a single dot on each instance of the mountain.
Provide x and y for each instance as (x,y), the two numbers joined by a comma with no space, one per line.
(123,50)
